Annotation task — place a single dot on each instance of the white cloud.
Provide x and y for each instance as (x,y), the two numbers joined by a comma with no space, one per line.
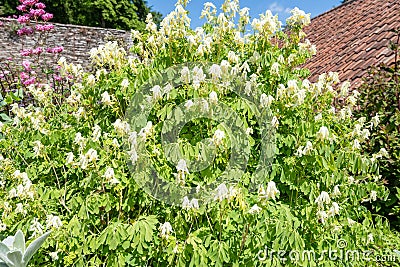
(276,8)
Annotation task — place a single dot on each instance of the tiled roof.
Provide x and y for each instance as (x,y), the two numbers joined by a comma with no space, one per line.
(352,37)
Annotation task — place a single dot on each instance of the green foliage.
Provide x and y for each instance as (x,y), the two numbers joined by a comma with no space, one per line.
(67,168)
(380,99)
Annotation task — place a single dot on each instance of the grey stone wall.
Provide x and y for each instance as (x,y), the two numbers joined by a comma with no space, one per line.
(76,40)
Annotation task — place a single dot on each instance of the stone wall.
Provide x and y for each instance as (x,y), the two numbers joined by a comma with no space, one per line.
(76,40)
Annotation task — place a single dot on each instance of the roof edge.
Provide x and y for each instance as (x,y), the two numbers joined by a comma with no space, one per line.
(337,7)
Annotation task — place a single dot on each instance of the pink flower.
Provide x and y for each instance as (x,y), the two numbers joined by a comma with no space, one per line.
(47,16)
(21,7)
(43,28)
(40,5)
(25,31)
(26,52)
(37,51)
(23,76)
(23,19)
(55,50)
(57,78)
(27,65)
(29,2)
(29,81)
(37,12)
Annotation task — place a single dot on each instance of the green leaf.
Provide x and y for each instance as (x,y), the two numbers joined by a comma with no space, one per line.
(34,246)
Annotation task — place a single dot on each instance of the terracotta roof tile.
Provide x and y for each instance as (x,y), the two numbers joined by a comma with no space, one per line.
(352,37)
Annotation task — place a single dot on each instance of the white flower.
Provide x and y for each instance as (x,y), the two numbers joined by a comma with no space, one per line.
(370,238)
(232,57)
(323,198)
(91,80)
(189,104)
(96,133)
(79,140)
(215,71)
(265,100)
(323,133)
(109,174)
(187,204)
(375,120)
(156,92)
(249,131)
(218,137)
(351,222)
(334,210)
(275,122)
(271,191)
(3,226)
(373,195)
(54,255)
(182,170)
(165,229)
(222,192)
(69,158)
(182,166)
(125,83)
(37,149)
(322,216)
(106,99)
(144,132)
(275,68)
(255,209)
(213,97)
(185,75)
(336,191)
(195,203)
(356,144)
(20,208)
(344,88)
(53,221)
(92,155)
(36,228)
(121,127)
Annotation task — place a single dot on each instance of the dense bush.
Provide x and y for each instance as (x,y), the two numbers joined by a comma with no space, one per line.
(65,167)
(380,102)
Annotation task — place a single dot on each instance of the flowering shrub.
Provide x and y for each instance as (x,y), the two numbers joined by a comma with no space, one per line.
(64,167)
(33,67)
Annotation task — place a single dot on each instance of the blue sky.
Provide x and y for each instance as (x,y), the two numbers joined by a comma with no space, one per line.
(282,8)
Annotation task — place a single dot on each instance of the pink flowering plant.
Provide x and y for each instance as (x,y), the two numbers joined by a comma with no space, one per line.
(135,167)
(31,68)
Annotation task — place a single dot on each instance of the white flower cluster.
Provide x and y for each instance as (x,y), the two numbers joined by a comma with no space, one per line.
(165,230)
(110,55)
(52,222)
(298,18)
(304,150)
(222,192)
(270,193)
(218,137)
(69,69)
(121,127)
(182,170)
(267,24)
(190,204)
(324,199)
(24,190)
(109,175)
(41,93)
